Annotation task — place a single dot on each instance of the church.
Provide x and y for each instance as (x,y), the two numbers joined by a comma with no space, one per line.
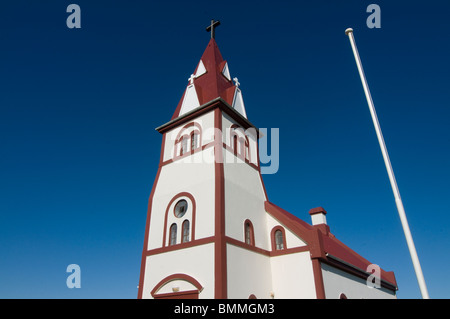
(211,231)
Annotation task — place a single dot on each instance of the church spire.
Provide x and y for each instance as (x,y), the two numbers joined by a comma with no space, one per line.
(210,80)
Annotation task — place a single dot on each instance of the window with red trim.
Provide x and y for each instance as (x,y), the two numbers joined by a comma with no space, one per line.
(248,233)
(195,140)
(278,238)
(173,234)
(184,146)
(188,139)
(279,242)
(185,229)
(240,144)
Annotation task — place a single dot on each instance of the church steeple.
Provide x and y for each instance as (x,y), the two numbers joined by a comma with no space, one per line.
(210,80)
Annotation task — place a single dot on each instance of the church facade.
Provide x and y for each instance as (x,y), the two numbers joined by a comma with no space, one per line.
(211,231)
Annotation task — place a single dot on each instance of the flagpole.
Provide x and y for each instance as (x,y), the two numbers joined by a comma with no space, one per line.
(387,162)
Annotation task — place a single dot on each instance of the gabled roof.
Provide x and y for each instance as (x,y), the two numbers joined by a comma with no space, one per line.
(210,80)
(325,246)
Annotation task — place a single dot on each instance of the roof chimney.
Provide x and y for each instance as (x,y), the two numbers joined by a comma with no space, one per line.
(318,216)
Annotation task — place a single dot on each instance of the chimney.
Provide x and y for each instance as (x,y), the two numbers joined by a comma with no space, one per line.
(319,220)
(318,216)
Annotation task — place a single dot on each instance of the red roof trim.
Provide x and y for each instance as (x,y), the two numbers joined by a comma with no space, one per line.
(322,244)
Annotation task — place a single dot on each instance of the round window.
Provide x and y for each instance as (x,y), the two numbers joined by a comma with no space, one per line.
(181,208)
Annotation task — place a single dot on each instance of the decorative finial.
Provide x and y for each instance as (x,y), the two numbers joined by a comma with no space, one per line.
(214,24)
(236,82)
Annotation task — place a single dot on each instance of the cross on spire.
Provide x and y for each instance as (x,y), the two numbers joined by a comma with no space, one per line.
(191,79)
(214,24)
(236,82)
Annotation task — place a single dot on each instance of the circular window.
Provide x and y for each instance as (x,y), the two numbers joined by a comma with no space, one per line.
(181,208)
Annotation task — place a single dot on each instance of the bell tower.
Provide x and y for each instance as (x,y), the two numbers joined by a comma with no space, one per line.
(208,171)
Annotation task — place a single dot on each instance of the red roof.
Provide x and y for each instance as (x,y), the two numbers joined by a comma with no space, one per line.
(323,244)
(213,83)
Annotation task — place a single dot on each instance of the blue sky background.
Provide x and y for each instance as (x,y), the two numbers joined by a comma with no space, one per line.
(79,153)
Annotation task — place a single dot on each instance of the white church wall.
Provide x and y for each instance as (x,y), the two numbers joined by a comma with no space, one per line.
(197,262)
(244,198)
(248,273)
(198,180)
(244,195)
(293,277)
(337,282)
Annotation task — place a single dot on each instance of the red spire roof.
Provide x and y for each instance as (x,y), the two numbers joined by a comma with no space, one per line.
(211,80)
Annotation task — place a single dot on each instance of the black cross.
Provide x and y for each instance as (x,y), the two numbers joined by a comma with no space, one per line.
(214,24)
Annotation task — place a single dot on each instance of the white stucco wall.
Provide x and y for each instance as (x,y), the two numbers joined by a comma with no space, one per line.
(292,276)
(337,281)
(178,177)
(244,194)
(248,273)
(197,262)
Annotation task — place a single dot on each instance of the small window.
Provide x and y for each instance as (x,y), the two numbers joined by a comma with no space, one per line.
(181,208)
(241,150)
(248,233)
(173,234)
(194,140)
(185,227)
(342,296)
(279,240)
(184,146)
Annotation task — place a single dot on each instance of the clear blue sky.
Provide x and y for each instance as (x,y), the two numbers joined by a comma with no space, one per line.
(78,109)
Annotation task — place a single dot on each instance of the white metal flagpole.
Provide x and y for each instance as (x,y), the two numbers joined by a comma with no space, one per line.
(398,200)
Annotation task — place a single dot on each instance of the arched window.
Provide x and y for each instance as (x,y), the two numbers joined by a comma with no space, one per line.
(278,238)
(241,150)
(195,140)
(188,139)
(184,146)
(179,220)
(235,144)
(240,142)
(342,296)
(248,233)
(185,227)
(173,234)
